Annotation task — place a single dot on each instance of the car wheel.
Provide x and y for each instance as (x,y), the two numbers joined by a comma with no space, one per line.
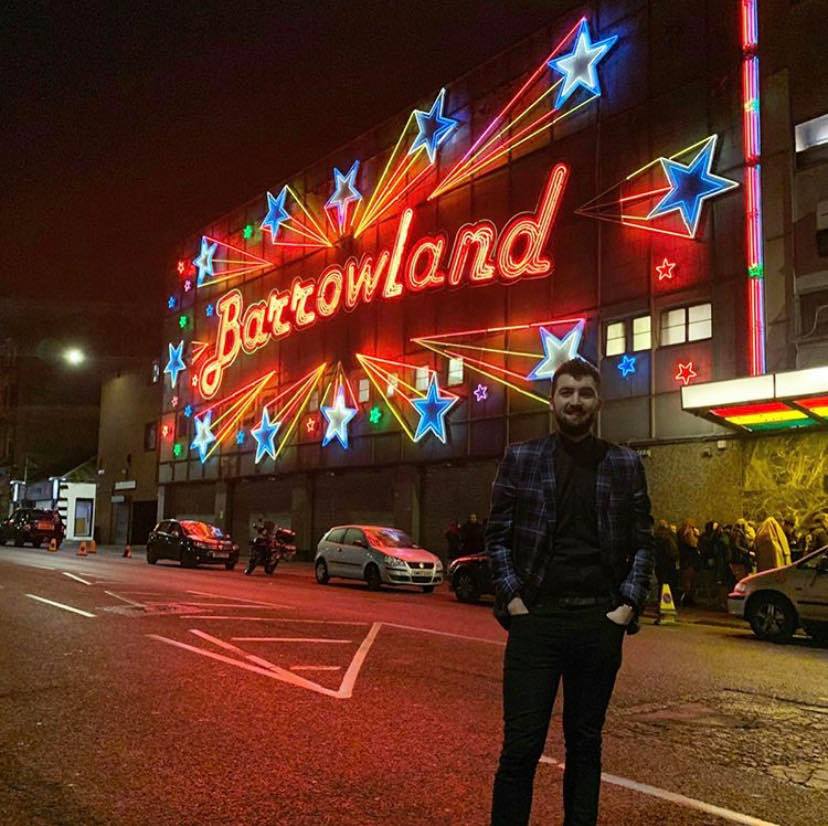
(187,559)
(230,564)
(772,618)
(428,589)
(465,587)
(321,571)
(373,578)
(19,540)
(151,557)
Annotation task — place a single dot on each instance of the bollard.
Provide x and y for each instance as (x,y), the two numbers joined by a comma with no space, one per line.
(93,547)
(82,549)
(666,607)
(128,552)
(52,544)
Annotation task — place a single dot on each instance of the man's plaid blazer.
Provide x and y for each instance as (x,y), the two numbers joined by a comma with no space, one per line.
(523,517)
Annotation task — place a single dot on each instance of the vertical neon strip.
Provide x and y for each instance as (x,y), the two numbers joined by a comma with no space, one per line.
(752,146)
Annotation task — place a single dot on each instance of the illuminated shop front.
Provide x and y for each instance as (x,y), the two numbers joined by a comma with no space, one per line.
(362,341)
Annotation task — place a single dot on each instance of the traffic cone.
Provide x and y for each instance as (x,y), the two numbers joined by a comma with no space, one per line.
(666,607)
(93,547)
(128,552)
(82,549)
(52,545)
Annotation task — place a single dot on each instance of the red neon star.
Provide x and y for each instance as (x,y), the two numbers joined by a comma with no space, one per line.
(310,425)
(181,266)
(685,373)
(665,269)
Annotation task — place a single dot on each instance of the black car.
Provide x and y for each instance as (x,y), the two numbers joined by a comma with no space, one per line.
(191,543)
(470,577)
(33,525)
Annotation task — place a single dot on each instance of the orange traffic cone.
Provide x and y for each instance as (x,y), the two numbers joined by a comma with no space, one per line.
(666,607)
(128,552)
(53,545)
(93,547)
(82,549)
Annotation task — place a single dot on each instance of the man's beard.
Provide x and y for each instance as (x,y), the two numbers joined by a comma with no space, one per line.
(573,430)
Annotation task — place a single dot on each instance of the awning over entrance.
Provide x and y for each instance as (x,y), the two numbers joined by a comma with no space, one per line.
(776,401)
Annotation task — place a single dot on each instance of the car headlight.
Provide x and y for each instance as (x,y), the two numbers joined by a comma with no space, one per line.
(438,566)
(393,562)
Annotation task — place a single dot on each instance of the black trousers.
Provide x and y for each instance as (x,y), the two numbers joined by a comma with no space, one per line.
(583,648)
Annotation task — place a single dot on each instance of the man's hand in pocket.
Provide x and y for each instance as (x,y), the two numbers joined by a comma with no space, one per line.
(622,615)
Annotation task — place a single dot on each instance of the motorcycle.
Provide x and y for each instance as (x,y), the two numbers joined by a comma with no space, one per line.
(269,548)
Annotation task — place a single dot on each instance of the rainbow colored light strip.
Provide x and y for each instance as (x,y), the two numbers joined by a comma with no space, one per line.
(752,145)
(780,401)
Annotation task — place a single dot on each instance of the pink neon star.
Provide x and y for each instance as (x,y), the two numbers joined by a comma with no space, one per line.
(665,269)
(685,373)
(481,392)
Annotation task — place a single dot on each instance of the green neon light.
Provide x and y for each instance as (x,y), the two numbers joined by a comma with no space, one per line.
(182,321)
(177,450)
(756,271)
(375,416)
(247,232)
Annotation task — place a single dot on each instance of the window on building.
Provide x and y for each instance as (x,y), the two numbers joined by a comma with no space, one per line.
(182,427)
(83,518)
(699,322)
(674,326)
(151,436)
(642,333)
(616,339)
(813,314)
(391,387)
(313,401)
(421,378)
(364,392)
(155,373)
(811,133)
(455,371)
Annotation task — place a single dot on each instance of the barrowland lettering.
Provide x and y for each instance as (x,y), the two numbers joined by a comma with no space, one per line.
(478,256)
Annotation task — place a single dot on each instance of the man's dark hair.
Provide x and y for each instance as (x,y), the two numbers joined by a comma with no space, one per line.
(578,368)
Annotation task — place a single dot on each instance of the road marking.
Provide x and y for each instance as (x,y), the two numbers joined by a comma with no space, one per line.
(241,599)
(60,605)
(290,639)
(444,633)
(347,686)
(216,641)
(672,797)
(316,668)
(73,576)
(268,619)
(126,599)
(226,605)
(274,672)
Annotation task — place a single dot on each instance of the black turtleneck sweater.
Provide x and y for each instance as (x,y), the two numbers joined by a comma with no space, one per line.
(574,550)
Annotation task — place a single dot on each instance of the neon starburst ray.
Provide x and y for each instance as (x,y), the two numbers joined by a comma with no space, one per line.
(219,261)
(530,111)
(430,407)
(291,223)
(666,195)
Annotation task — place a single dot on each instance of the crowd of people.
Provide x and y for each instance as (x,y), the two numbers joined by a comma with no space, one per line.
(468,538)
(727,553)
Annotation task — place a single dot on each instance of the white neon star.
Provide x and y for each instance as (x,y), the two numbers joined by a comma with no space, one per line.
(578,67)
(204,436)
(338,416)
(556,351)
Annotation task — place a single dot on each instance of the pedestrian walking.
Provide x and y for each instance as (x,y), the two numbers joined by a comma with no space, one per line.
(689,561)
(666,558)
(569,540)
(454,542)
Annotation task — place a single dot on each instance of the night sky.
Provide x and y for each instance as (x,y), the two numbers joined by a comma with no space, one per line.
(126,126)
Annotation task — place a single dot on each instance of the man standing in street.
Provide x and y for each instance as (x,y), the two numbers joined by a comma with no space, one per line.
(569,541)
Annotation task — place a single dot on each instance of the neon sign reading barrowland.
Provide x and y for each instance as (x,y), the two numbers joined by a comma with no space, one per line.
(478,256)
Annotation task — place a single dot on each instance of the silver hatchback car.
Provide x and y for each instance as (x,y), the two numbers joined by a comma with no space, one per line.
(377,555)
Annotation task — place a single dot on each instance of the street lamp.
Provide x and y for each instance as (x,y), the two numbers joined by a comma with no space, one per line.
(74,357)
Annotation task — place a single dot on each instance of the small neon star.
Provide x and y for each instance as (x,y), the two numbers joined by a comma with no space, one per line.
(247,232)
(665,269)
(171,303)
(433,408)
(481,392)
(209,310)
(188,410)
(175,364)
(685,373)
(204,260)
(627,365)
(345,191)
(375,415)
(310,425)
(188,285)
(182,265)
(240,436)
(174,401)
(276,213)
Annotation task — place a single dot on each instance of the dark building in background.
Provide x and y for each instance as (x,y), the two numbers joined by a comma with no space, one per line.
(128,455)
(296,391)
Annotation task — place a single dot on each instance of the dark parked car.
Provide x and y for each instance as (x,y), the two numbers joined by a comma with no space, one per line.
(32,525)
(190,543)
(470,577)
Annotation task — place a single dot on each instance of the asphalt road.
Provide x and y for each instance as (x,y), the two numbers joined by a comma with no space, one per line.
(206,697)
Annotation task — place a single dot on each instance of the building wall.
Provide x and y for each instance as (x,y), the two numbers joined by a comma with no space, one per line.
(129,402)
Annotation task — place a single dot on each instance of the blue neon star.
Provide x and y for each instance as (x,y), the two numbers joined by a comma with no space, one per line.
(188,411)
(345,191)
(578,67)
(434,127)
(175,365)
(240,437)
(690,186)
(171,302)
(209,310)
(204,436)
(338,415)
(556,351)
(276,213)
(626,365)
(204,261)
(433,409)
(265,436)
